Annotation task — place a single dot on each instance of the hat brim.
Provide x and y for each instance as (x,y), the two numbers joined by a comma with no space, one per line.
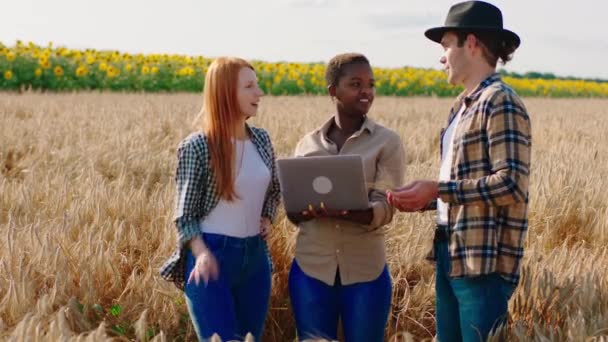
(436,33)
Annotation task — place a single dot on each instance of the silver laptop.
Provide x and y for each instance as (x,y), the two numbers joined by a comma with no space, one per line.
(337,181)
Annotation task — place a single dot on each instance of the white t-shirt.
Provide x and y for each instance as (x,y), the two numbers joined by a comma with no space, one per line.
(241,218)
(446,164)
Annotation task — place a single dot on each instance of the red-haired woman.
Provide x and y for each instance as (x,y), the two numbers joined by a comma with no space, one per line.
(226,198)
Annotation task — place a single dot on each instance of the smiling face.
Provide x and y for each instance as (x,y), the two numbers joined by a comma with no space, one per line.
(455,59)
(355,89)
(248,92)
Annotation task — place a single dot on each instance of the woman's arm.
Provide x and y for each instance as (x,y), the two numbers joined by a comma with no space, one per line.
(189,188)
(390,169)
(273,195)
(190,192)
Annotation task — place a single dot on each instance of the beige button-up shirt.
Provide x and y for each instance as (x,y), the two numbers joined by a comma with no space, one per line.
(324,245)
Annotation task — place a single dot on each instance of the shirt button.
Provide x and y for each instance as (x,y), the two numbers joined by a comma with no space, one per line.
(337,226)
(337,251)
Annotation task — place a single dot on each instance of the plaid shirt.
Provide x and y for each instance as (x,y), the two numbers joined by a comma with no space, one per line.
(487,194)
(196,193)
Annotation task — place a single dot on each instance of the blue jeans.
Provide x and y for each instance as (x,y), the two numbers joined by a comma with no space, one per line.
(237,302)
(468,308)
(363,307)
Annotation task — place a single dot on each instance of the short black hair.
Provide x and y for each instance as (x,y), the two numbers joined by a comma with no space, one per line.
(336,66)
(494,46)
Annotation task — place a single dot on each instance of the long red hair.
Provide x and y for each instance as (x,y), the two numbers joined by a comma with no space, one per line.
(221,114)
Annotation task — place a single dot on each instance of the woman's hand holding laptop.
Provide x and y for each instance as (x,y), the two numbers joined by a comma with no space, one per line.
(321,211)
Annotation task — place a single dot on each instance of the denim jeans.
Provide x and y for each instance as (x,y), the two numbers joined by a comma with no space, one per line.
(468,308)
(363,307)
(237,302)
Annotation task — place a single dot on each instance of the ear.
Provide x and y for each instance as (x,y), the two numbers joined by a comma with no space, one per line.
(472,44)
(471,41)
(332,90)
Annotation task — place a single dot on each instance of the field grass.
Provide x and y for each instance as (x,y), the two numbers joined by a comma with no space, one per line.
(86,196)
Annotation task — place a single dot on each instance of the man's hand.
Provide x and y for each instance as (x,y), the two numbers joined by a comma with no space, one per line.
(414,196)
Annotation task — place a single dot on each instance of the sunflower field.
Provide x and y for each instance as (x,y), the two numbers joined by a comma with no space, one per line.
(26,66)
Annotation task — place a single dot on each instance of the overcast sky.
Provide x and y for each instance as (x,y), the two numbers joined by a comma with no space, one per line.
(566,38)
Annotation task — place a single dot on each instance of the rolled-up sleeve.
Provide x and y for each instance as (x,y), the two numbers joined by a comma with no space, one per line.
(389,175)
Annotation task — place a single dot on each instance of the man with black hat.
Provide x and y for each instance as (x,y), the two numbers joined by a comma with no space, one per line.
(481,196)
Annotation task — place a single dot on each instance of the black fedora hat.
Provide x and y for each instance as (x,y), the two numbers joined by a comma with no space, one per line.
(474,16)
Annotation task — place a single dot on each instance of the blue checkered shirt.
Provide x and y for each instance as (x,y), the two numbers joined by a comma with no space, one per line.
(196,193)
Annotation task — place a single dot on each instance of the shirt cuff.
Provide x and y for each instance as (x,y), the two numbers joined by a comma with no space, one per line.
(447,189)
(188,230)
(380,211)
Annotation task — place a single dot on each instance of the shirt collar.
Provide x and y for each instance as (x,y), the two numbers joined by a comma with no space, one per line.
(475,94)
(368,125)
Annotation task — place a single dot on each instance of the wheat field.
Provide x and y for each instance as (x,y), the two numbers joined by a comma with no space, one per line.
(86,196)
